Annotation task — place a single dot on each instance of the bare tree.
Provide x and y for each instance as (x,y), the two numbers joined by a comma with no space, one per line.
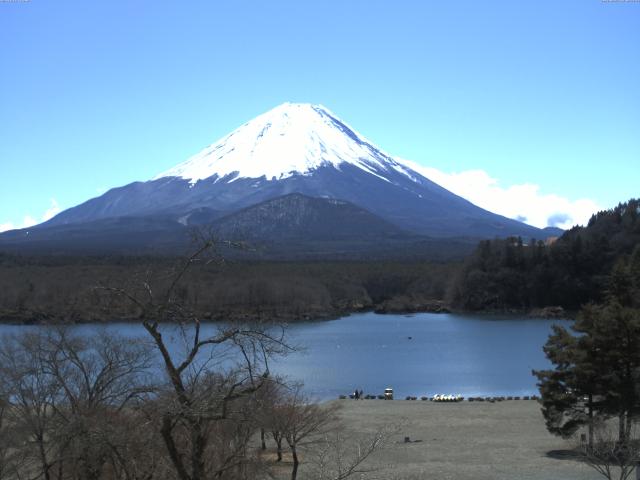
(208,379)
(4,432)
(132,448)
(84,408)
(266,404)
(31,398)
(299,422)
(339,456)
(66,397)
(330,453)
(10,458)
(99,378)
(608,455)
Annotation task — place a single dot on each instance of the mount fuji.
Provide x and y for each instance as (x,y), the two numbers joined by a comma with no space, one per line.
(295,148)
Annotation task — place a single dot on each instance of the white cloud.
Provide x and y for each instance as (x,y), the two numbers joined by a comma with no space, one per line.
(524,202)
(52,211)
(29,221)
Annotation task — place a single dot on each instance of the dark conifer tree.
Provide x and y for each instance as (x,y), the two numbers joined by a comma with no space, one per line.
(596,372)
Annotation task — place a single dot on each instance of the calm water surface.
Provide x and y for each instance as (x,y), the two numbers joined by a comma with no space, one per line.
(447,353)
(421,354)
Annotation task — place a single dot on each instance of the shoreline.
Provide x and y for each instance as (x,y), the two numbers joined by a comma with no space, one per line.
(435,399)
(438,307)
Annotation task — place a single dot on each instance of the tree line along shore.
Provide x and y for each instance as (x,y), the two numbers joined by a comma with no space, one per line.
(68,290)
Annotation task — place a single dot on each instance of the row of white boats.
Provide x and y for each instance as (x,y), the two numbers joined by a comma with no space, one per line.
(447,398)
(438,397)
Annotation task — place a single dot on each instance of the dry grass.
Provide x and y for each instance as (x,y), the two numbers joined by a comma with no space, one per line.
(463,441)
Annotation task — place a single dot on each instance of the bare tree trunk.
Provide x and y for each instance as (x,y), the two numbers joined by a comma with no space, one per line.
(43,459)
(263,443)
(621,428)
(627,431)
(197,457)
(278,439)
(294,454)
(174,455)
(590,421)
(60,469)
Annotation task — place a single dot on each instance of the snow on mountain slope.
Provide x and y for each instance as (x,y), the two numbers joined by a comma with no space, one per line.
(293,138)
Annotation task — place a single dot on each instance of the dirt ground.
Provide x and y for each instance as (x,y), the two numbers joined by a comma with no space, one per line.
(463,441)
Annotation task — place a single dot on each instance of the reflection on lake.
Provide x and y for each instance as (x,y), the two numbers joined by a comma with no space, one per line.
(421,354)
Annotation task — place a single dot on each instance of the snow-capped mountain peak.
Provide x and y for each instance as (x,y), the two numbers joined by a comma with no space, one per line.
(291,139)
(293,149)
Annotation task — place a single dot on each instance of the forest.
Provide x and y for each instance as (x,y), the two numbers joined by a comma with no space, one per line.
(501,275)
(513,274)
(71,289)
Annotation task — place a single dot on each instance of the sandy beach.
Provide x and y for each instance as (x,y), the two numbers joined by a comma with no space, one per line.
(463,441)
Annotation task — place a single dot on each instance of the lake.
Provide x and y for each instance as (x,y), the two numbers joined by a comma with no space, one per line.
(420,354)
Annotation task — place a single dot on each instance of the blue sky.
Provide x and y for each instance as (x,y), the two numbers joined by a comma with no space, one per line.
(526,105)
